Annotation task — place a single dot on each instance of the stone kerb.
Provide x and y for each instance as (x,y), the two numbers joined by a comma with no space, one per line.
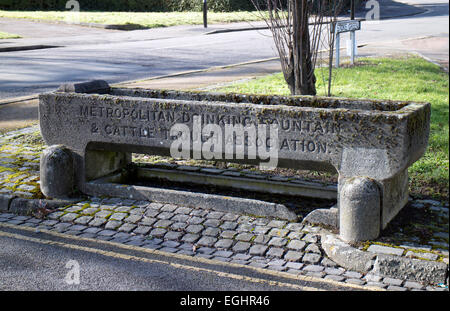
(369,143)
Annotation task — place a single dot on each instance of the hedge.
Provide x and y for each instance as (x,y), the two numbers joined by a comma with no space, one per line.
(132,5)
(129,5)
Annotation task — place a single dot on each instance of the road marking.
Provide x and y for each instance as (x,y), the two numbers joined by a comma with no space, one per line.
(181,257)
(17,99)
(147,260)
(189,72)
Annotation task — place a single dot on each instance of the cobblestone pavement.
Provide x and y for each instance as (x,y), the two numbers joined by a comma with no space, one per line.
(263,242)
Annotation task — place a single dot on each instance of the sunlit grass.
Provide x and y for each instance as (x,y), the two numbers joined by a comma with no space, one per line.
(143,19)
(405,79)
(5,35)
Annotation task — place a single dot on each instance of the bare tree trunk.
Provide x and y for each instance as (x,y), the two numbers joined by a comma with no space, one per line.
(296,42)
(296,27)
(304,80)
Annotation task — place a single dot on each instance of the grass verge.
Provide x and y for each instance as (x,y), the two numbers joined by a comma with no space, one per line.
(143,20)
(5,35)
(406,78)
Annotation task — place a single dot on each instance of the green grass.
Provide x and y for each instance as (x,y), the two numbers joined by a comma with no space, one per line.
(5,35)
(401,78)
(145,20)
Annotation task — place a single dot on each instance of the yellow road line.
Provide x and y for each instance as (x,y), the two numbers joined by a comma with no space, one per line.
(146,260)
(189,72)
(181,257)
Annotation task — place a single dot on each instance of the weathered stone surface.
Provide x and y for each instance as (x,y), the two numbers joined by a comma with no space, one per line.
(293,256)
(329,218)
(173,235)
(262,239)
(241,247)
(258,249)
(57,172)
(245,236)
(132,219)
(118,216)
(393,281)
(427,256)
(229,225)
(313,268)
(97,222)
(127,227)
(346,255)
(413,285)
(225,254)
(4,202)
(97,86)
(223,244)
(113,224)
(375,139)
(311,258)
(190,238)
(381,249)
(412,269)
(206,241)
(163,223)
(210,231)
(158,232)
(278,232)
(275,252)
(296,245)
(228,234)
(360,209)
(313,248)
(69,217)
(275,241)
(83,220)
(194,229)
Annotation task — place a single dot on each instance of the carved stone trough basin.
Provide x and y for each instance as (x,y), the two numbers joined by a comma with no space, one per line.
(93,128)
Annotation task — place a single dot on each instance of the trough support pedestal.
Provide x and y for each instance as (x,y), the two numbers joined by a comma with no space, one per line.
(60,167)
(57,172)
(366,205)
(359,209)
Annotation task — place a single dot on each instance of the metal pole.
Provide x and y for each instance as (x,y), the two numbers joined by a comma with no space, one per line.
(352,53)
(352,9)
(338,43)
(205,14)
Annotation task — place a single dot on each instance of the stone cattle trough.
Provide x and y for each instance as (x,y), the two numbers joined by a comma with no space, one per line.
(93,128)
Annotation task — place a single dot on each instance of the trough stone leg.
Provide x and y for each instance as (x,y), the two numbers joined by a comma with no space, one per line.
(57,172)
(366,206)
(395,194)
(359,209)
(101,163)
(63,170)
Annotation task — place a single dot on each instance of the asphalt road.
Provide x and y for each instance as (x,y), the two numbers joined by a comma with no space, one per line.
(28,72)
(52,261)
(118,57)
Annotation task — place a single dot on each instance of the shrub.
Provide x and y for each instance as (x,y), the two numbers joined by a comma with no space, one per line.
(130,5)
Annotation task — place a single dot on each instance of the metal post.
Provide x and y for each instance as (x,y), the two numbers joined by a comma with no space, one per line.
(352,9)
(205,14)
(338,43)
(352,53)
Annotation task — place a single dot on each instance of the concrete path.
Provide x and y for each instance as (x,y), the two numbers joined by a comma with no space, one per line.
(28,29)
(61,34)
(433,48)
